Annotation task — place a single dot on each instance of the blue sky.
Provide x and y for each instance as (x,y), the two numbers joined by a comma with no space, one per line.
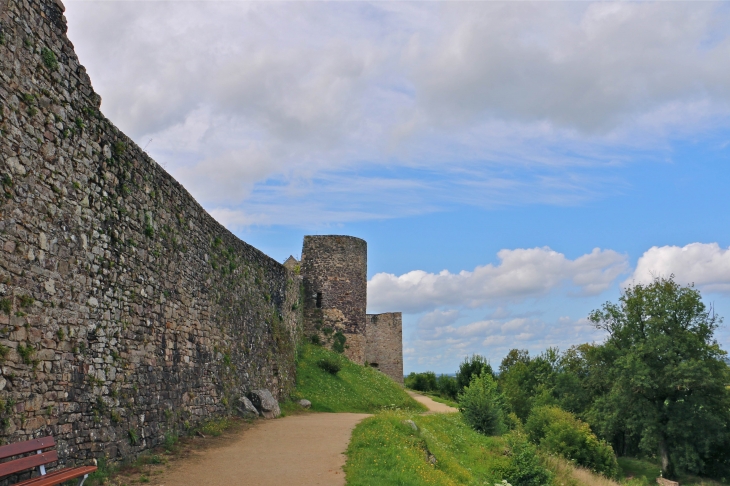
(543,154)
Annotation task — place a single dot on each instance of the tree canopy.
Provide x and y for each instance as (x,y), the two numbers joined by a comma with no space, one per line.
(665,374)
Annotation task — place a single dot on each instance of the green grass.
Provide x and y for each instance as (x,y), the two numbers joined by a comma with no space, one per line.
(354,388)
(646,471)
(385,450)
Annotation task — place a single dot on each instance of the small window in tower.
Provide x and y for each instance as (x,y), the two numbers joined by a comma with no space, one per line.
(319,300)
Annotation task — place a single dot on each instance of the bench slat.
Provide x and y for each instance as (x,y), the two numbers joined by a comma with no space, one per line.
(58,477)
(27,462)
(18,448)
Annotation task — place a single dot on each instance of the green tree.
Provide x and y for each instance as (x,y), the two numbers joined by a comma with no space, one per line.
(474,365)
(425,381)
(527,381)
(667,374)
(482,405)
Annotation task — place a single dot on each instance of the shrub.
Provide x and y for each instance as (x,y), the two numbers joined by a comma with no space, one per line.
(474,365)
(447,386)
(482,405)
(560,432)
(329,365)
(525,468)
(421,381)
(338,342)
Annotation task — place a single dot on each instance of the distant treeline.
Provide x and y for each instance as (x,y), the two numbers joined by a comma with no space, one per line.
(657,387)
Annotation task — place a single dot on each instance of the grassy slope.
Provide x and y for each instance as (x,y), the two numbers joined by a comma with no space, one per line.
(385,450)
(354,389)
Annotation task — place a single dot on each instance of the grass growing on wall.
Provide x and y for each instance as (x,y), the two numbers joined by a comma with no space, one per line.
(353,388)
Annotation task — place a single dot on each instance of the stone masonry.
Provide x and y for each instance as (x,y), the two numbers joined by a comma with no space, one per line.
(334,273)
(384,343)
(127,313)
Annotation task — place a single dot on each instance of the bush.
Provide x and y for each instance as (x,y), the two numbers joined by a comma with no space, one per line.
(525,468)
(560,432)
(474,365)
(338,342)
(424,382)
(482,405)
(447,387)
(329,365)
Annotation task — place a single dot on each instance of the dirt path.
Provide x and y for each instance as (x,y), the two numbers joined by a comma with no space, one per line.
(301,449)
(433,406)
(306,450)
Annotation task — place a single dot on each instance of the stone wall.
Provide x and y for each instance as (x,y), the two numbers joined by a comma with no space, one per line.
(334,271)
(126,311)
(384,343)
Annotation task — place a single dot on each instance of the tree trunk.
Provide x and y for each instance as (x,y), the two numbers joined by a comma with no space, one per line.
(667,466)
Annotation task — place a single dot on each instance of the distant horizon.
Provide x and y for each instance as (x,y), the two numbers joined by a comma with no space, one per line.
(512,165)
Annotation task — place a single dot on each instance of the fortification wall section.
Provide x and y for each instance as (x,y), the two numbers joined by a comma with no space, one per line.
(126,312)
(334,272)
(384,348)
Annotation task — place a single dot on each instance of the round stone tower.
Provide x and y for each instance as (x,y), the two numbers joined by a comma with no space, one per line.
(334,273)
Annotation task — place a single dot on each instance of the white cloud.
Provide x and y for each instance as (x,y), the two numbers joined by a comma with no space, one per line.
(438,318)
(707,265)
(481,103)
(521,273)
(589,66)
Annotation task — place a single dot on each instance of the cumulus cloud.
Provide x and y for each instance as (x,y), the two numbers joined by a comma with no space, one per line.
(521,273)
(707,265)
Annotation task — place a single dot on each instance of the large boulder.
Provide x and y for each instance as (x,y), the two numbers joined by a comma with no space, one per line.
(265,403)
(247,409)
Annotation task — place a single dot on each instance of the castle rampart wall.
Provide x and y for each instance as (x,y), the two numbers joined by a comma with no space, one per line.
(126,311)
(384,348)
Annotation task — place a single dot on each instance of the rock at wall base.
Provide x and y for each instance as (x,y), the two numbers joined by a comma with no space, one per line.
(246,409)
(265,403)
(304,403)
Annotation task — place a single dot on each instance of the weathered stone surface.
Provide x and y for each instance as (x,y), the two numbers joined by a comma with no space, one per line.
(265,403)
(334,273)
(247,409)
(384,344)
(304,403)
(127,311)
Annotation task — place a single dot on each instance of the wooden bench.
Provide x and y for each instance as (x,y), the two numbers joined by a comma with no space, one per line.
(39,460)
